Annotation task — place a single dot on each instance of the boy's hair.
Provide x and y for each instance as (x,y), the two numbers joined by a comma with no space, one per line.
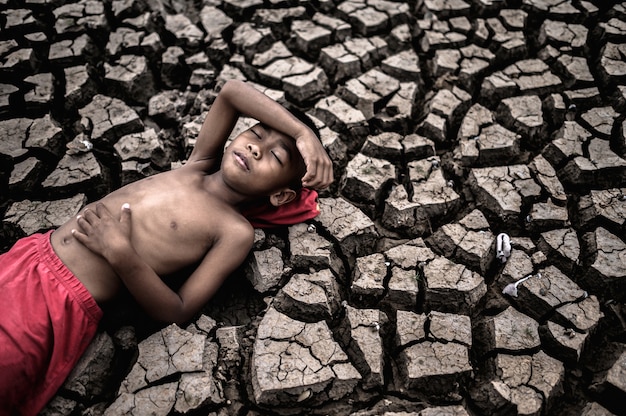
(296,185)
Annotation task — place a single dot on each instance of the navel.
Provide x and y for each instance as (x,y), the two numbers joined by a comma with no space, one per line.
(173,225)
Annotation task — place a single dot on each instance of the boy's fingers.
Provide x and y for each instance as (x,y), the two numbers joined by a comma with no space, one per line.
(83,222)
(308,176)
(316,184)
(325,176)
(88,215)
(310,179)
(319,171)
(316,180)
(82,238)
(102,210)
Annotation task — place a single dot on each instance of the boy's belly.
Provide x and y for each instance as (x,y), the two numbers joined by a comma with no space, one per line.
(92,270)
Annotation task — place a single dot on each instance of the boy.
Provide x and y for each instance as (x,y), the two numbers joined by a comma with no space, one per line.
(147,229)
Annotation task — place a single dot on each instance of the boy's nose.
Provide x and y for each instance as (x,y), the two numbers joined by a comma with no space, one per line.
(254,149)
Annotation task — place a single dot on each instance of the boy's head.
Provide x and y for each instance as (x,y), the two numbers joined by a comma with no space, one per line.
(263,162)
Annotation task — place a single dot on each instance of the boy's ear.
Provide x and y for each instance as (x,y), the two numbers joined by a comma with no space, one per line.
(283,196)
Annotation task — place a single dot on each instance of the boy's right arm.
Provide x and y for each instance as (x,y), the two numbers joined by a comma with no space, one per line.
(238,98)
(103,234)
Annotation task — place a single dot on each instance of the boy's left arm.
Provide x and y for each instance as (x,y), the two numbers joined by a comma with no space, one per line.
(222,259)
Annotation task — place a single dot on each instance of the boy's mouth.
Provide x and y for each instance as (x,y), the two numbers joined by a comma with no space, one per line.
(242,160)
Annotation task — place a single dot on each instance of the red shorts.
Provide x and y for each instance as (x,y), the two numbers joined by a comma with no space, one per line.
(47,319)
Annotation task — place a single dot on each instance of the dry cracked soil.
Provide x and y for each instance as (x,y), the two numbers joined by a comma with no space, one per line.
(469,259)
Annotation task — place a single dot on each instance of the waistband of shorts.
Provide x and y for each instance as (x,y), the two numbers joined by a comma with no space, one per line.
(74,286)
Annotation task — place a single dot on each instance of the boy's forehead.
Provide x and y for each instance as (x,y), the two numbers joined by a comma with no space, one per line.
(287,142)
(279,134)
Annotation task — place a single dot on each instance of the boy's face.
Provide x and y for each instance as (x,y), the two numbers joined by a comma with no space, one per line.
(261,161)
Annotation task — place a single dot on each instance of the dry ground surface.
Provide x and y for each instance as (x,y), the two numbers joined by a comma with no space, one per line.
(449,122)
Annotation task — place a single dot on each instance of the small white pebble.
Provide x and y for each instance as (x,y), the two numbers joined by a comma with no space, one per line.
(305,395)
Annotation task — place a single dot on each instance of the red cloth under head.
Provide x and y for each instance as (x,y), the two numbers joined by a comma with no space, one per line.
(304,207)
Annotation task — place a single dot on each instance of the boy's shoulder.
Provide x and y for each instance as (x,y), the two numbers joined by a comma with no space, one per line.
(222,218)
(235,228)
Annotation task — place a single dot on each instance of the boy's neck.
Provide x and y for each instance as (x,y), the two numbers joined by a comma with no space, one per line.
(215,185)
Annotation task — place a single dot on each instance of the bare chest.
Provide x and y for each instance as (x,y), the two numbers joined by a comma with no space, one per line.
(173,221)
(170,236)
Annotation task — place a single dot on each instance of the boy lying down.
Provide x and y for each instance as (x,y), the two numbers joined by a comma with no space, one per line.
(53,283)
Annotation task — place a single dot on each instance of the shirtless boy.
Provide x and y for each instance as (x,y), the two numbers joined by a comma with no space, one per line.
(147,229)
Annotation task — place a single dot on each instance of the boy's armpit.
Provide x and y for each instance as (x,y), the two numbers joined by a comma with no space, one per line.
(207,164)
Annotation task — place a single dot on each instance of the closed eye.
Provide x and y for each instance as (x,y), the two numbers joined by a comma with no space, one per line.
(256,134)
(277,158)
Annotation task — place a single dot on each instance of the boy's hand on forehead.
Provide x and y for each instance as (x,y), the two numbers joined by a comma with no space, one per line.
(319,167)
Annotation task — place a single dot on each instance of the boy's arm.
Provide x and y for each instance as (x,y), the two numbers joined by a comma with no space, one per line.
(103,234)
(165,305)
(237,98)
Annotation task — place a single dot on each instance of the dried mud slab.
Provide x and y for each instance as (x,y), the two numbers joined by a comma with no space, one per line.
(603,207)
(606,254)
(308,249)
(469,241)
(431,362)
(361,332)
(354,231)
(170,352)
(451,287)
(293,361)
(503,190)
(27,217)
(522,384)
(310,297)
